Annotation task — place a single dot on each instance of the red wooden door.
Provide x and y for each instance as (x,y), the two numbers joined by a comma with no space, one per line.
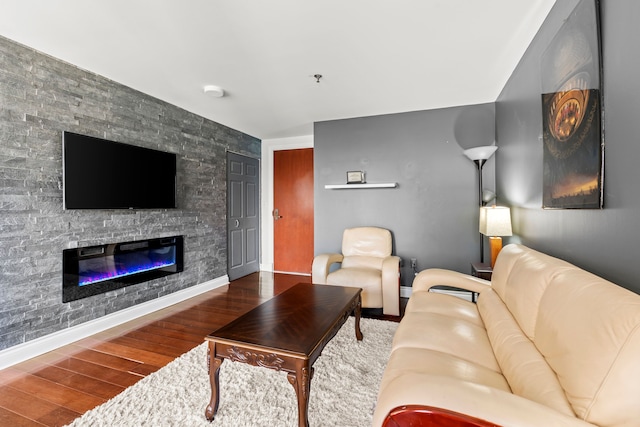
(293,210)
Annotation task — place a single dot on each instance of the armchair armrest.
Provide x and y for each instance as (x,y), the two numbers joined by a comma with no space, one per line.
(391,285)
(431,277)
(321,265)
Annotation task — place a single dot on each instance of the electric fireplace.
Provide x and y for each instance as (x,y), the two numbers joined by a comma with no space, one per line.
(94,270)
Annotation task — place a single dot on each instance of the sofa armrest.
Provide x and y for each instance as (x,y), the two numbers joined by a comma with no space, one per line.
(321,265)
(391,285)
(428,416)
(431,277)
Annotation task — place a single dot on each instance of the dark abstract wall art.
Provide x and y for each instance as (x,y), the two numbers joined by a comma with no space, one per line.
(573,153)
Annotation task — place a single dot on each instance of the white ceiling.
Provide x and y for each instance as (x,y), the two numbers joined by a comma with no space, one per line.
(376,56)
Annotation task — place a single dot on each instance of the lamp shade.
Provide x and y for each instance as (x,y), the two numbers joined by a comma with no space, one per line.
(495,221)
(480,153)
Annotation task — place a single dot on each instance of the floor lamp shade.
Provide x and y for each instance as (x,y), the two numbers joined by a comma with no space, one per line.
(480,153)
(495,221)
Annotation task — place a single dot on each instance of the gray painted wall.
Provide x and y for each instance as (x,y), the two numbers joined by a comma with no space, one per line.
(433,214)
(606,242)
(39,98)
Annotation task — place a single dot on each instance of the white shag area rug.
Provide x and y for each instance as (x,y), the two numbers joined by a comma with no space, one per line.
(343,389)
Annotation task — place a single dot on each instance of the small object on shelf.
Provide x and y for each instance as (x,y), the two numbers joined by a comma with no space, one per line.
(355,177)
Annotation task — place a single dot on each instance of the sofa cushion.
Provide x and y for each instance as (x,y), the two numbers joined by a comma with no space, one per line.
(369,279)
(374,263)
(431,302)
(424,361)
(524,368)
(446,334)
(520,278)
(367,241)
(487,403)
(588,330)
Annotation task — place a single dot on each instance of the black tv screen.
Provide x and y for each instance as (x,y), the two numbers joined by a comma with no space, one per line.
(102,174)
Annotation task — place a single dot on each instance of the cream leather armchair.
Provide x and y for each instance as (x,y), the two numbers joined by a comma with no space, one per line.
(367,263)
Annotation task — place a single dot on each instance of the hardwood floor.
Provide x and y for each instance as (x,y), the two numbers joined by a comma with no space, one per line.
(55,388)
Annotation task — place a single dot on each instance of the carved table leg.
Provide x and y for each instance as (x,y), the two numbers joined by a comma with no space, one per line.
(357,312)
(214,372)
(301,382)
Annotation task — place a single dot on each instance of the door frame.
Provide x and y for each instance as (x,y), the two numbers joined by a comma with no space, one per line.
(269,146)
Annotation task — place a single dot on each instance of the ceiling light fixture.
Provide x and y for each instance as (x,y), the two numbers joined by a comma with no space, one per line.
(317,77)
(214,91)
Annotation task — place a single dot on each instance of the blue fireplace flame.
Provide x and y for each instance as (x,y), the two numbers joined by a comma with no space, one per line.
(112,267)
(101,276)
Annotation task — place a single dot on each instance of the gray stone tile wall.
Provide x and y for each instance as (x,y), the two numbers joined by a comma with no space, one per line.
(40,97)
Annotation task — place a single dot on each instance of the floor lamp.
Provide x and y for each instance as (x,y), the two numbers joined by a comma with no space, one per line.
(479,156)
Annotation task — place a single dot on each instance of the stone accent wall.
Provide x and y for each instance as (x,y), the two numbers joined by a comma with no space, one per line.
(40,97)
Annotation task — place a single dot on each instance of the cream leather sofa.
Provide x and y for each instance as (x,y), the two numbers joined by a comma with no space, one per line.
(367,263)
(547,344)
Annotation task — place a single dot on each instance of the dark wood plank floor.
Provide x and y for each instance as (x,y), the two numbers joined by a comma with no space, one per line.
(55,388)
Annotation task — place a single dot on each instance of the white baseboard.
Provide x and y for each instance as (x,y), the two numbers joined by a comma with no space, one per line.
(38,346)
(293,273)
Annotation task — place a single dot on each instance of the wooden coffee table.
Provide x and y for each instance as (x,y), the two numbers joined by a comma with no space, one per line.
(286,333)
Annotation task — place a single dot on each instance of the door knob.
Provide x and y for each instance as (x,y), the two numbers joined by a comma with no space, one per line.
(276,215)
(237,223)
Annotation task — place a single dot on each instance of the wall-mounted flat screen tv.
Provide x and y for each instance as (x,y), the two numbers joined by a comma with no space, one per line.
(102,174)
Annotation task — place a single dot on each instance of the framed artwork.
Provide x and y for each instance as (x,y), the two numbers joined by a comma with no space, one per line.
(572,113)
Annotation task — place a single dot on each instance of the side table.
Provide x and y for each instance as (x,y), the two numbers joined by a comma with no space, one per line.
(481,270)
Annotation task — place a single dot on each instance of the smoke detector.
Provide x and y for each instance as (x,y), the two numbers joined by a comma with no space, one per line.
(214,91)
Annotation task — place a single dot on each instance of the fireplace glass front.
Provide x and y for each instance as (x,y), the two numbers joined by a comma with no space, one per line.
(97,269)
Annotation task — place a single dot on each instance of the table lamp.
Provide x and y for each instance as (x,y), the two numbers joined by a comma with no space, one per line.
(495,221)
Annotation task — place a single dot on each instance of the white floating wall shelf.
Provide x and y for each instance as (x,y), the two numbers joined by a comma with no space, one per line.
(355,186)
